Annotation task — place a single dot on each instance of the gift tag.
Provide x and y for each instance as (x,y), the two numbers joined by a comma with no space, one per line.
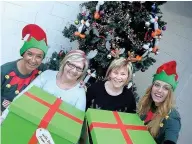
(43,136)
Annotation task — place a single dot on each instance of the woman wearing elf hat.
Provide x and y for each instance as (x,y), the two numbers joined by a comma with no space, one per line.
(16,75)
(65,83)
(156,107)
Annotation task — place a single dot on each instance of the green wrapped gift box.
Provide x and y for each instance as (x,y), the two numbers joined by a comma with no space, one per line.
(108,127)
(39,109)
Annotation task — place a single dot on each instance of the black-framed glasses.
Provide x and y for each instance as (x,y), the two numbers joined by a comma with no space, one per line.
(74,66)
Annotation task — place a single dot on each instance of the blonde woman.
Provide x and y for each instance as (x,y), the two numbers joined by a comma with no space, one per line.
(157,109)
(112,93)
(64,83)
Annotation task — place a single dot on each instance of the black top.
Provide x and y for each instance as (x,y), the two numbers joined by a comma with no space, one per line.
(13,82)
(98,98)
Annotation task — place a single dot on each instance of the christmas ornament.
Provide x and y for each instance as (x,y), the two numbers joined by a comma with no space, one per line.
(89,75)
(101,12)
(155,46)
(144,51)
(132,58)
(115,53)
(127,16)
(164,28)
(97,12)
(61,53)
(130,84)
(153,7)
(108,45)
(109,56)
(153,20)
(156,33)
(83,27)
(96,15)
(76,22)
(143,70)
(83,10)
(147,24)
(92,54)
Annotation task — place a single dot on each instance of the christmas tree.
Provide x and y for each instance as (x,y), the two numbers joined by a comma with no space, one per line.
(112,29)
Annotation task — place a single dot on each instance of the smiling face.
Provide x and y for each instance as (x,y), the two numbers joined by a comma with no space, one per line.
(73,70)
(118,77)
(160,91)
(32,59)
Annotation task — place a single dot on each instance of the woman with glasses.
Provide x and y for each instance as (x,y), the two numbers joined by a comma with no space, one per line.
(65,83)
(157,107)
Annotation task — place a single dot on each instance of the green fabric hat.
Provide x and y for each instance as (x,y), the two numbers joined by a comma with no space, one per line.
(33,43)
(37,39)
(167,73)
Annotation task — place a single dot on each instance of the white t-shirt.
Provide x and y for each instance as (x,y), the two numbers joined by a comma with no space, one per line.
(75,96)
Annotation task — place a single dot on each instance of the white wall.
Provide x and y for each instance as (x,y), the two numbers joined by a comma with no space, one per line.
(52,16)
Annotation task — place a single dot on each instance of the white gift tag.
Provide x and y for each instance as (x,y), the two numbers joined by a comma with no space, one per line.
(43,136)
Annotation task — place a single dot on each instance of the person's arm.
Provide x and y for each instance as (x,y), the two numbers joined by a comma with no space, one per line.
(173,127)
(4,71)
(81,102)
(39,81)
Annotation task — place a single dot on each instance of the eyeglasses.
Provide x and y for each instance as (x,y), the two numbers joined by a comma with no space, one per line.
(74,66)
(164,87)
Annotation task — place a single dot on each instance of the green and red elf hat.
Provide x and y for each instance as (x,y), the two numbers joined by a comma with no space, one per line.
(167,73)
(37,39)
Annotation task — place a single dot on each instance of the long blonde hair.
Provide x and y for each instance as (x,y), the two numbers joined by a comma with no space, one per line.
(162,110)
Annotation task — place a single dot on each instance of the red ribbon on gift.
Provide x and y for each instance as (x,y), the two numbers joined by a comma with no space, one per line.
(53,108)
(119,125)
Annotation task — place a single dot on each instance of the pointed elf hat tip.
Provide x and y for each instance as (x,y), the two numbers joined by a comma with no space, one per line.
(167,73)
(34,31)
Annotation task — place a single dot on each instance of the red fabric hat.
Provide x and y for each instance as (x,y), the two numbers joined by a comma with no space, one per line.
(169,68)
(34,31)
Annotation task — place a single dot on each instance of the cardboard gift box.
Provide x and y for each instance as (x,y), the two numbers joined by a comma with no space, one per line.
(110,127)
(37,109)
